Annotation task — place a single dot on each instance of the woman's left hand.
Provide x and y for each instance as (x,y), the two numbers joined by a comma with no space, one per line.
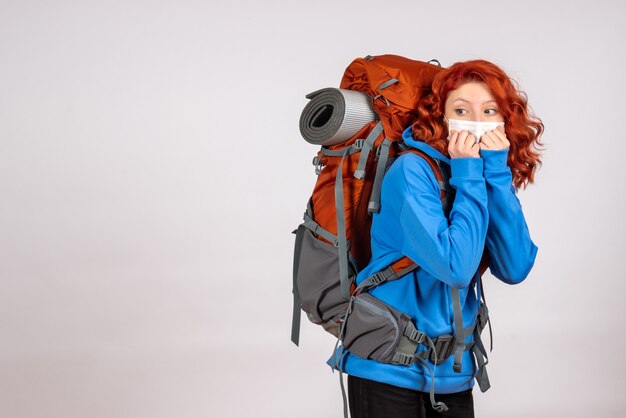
(494,140)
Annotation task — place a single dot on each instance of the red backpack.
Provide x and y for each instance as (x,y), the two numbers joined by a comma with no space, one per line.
(333,242)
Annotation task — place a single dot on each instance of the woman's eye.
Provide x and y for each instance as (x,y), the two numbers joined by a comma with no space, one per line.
(491,111)
(460,111)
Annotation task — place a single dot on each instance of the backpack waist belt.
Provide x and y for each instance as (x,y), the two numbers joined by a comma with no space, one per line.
(372,329)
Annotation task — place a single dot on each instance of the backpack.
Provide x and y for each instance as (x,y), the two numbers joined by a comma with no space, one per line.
(333,243)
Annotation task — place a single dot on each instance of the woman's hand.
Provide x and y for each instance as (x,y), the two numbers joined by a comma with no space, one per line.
(462,145)
(495,139)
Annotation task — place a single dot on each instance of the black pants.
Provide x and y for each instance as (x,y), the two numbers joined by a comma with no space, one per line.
(370,399)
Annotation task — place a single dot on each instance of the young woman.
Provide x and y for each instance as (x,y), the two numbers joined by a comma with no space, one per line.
(456,125)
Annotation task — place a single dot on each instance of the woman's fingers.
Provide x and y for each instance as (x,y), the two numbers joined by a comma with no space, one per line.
(462,144)
(501,134)
(486,142)
(466,139)
(495,139)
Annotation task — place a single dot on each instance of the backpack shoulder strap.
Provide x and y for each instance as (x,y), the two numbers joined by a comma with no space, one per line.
(405,265)
(446,194)
(440,174)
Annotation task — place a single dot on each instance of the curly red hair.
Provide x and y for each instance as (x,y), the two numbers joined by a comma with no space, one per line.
(523,129)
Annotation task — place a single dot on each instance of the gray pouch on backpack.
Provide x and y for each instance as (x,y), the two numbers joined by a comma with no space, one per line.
(374,329)
(318,270)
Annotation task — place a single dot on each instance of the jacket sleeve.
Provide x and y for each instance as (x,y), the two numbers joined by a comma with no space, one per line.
(511,251)
(450,252)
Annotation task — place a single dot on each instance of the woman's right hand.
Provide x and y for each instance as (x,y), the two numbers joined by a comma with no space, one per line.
(463,144)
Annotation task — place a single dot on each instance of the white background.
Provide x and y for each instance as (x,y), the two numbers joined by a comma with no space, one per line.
(152,170)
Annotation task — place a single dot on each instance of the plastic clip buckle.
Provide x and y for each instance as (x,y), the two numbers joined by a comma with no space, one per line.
(416,335)
(378,278)
(444,345)
(402,359)
(377,154)
(317,162)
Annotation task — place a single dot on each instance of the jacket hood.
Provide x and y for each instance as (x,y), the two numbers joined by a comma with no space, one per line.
(407,136)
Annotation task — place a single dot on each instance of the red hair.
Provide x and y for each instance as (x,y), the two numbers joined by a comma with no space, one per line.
(523,130)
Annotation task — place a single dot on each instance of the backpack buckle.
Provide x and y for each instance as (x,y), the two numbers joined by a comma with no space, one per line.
(317,163)
(378,151)
(415,335)
(402,359)
(378,278)
(358,144)
(444,345)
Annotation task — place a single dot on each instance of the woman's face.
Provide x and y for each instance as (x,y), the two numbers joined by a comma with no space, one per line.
(472,101)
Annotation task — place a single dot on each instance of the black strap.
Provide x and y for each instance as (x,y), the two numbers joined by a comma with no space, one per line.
(450,191)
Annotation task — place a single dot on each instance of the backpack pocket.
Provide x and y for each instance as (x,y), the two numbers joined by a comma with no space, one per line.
(373,329)
(317,280)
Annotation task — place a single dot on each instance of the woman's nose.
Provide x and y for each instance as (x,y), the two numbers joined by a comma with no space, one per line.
(480,117)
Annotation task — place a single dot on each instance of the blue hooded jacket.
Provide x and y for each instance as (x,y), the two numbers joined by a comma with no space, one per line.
(411,222)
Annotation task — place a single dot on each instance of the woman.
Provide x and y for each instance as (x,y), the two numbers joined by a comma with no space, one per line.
(456,125)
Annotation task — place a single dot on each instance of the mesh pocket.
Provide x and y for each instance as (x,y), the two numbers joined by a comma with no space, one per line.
(373,329)
(318,281)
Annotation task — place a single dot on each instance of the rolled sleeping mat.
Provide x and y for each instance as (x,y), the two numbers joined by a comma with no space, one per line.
(335,115)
